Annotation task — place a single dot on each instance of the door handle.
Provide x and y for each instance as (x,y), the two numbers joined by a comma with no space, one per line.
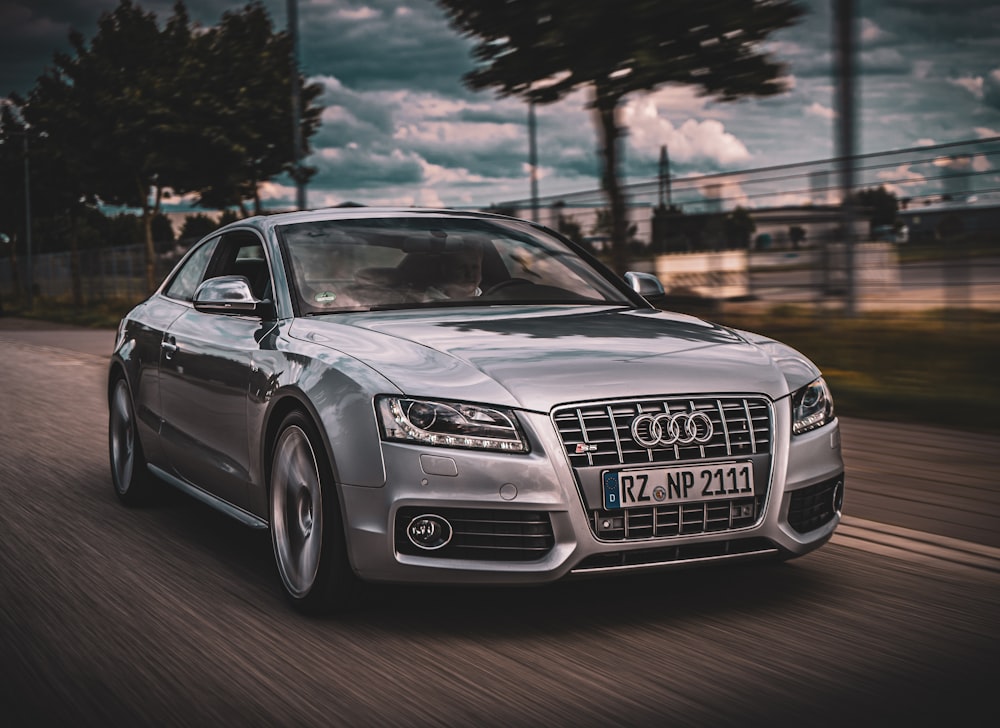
(169,348)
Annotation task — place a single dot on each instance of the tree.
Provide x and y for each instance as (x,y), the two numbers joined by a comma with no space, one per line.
(128,72)
(740,228)
(541,50)
(566,224)
(881,205)
(242,67)
(12,207)
(797,234)
(141,111)
(58,200)
(163,231)
(197,226)
(604,225)
(227,217)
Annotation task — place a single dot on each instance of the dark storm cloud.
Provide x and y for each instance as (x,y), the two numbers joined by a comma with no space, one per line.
(937,20)
(30,31)
(351,117)
(353,169)
(500,161)
(381,45)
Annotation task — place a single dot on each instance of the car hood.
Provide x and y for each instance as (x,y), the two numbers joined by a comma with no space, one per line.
(538,357)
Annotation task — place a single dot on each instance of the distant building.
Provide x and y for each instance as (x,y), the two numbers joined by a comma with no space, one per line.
(923,222)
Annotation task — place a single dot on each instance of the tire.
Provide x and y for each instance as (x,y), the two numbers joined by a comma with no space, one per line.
(307,530)
(132,480)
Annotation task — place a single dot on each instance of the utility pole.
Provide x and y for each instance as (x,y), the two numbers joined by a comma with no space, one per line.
(843,11)
(533,160)
(27,220)
(297,146)
(665,198)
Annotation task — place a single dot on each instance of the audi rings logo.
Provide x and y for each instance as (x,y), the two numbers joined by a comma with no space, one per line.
(664,429)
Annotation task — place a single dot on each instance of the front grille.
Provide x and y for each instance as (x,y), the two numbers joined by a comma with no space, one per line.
(482,534)
(601,434)
(815,506)
(598,436)
(686,519)
(676,555)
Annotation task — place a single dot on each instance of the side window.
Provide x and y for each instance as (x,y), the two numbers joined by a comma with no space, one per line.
(192,272)
(241,253)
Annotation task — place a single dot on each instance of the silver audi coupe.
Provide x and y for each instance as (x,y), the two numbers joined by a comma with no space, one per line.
(405,395)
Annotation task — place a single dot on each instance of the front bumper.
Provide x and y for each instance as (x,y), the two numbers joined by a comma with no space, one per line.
(508,496)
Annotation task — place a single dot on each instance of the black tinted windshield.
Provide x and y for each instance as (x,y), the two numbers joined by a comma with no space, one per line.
(427,260)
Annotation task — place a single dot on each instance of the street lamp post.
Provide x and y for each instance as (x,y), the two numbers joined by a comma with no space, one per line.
(846,135)
(27,218)
(533,160)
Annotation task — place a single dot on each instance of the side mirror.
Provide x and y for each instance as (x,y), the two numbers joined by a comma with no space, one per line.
(229,295)
(645,284)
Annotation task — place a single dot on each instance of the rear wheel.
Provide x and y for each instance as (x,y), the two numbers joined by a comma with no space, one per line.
(133,482)
(306,526)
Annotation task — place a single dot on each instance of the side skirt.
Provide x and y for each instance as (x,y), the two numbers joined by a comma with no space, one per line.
(244,517)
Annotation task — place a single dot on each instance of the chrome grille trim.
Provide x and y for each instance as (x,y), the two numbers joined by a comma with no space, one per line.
(742,428)
(664,521)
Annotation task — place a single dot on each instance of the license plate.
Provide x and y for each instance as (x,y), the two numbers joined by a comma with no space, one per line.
(679,484)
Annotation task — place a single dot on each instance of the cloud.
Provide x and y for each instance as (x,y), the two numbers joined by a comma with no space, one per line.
(431,132)
(692,140)
(974,85)
(922,69)
(727,191)
(870,31)
(898,180)
(883,60)
(362,13)
(823,112)
(353,168)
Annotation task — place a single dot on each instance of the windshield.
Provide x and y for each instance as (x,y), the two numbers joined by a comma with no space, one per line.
(412,262)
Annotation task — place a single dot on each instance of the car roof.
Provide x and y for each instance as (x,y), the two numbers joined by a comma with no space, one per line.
(268,222)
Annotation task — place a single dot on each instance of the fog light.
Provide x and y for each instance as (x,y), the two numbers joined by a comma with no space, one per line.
(838,496)
(429,532)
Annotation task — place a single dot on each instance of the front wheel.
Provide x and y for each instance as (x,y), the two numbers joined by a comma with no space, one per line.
(306,526)
(133,482)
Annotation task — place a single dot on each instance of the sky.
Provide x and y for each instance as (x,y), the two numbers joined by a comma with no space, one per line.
(399,127)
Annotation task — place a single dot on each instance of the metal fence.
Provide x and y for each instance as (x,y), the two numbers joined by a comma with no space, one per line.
(106,274)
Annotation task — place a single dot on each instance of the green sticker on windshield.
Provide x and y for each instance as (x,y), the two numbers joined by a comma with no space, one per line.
(325,297)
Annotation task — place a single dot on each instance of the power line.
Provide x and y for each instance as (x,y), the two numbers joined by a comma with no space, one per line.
(755,175)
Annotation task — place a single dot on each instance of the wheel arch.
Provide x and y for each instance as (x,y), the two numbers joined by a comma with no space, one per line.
(283,403)
(116,371)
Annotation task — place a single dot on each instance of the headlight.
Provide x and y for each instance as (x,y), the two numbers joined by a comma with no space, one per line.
(812,407)
(449,424)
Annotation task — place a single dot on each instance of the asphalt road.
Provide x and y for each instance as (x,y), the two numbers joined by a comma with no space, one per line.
(173,614)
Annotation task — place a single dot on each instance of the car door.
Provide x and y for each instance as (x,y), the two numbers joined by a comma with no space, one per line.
(205,376)
(143,344)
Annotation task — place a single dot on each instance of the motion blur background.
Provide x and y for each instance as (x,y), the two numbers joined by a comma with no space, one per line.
(848,202)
